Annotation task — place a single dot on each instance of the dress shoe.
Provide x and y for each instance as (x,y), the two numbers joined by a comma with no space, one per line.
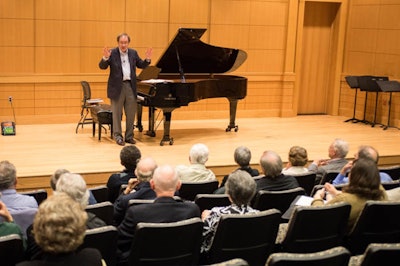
(120,141)
(131,141)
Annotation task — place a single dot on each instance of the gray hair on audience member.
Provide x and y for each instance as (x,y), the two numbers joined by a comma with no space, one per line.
(8,175)
(55,176)
(199,153)
(341,147)
(242,156)
(271,164)
(75,186)
(240,187)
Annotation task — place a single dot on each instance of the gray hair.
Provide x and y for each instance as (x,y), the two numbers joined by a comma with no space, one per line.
(55,176)
(271,164)
(240,187)
(242,156)
(75,186)
(8,175)
(199,153)
(341,147)
(368,152)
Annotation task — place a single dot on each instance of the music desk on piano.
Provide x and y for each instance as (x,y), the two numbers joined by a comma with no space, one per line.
(189,71)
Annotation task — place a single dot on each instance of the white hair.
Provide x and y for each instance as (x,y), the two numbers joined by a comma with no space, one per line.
(75,186)
(199,153)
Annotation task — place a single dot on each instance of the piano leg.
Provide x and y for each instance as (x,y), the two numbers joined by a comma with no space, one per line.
(139,113)
(167,125)
(232,115)
(151,132)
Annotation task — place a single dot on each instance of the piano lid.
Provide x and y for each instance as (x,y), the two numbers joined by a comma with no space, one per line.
(198,57)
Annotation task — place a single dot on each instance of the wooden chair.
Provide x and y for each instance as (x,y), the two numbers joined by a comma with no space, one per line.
(100,193)
(11,249)
(176,243)
(316,228)
(250,237)
(281,200)
(189,190)
(103,239)
(39,194)
(306,181)
(378,222)
(337,256)
(104,210)
(208,201)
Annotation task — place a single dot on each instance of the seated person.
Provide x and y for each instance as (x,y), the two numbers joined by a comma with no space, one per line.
(297,160)
(196,171)
(337,153)
(364,184)
(59,229)
(8,227)
(22,207)
(129,156)
(138,188)
(241,189)
(56,175)
(273,179)
(242,157)
(364,152)
(165,209)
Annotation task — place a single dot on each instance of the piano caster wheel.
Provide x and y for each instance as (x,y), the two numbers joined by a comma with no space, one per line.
(167,139)
(229,128)
(151,133)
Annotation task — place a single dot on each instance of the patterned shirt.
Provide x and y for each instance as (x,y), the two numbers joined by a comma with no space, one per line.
(211,222)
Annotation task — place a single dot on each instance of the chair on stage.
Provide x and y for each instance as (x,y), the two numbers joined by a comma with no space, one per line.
(87,102)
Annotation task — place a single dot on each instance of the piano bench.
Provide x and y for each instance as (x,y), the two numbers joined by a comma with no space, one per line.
(102,115)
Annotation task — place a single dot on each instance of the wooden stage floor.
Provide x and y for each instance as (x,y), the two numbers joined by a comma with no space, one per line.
(38,150)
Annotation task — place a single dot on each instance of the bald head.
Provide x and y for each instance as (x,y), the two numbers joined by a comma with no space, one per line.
(271,163)
(368,152)
(145,169)
(165,181)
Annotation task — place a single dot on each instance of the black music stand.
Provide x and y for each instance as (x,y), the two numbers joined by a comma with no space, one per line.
(368,84)
(352,81)
(388,86)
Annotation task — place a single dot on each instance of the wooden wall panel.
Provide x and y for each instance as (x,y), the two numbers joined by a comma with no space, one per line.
(17,60)
(230,12)
(197,11)
(16,32)
(17,9)
(155,11)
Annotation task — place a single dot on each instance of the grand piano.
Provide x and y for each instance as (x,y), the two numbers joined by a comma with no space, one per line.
(188,71)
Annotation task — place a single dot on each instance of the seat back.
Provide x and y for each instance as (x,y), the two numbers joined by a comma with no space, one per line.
(39,194)
(337,256)
(176,243)
(393,171)
(208,201)
(328,177)
(378,222)
(103,210)
(250,237)
(391,184)
(87,94)
(306,181)
(103,239)
(133,202)
(281,200)
(318,187)
(313,229)
(381,254)
(100,193)
(11,249)
(189,190)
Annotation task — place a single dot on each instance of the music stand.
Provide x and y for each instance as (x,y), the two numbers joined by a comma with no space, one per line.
(388,86)
(368,84)
(352,81)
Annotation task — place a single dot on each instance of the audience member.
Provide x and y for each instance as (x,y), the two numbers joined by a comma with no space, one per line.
(166,208)
(8,227)
(241,188)
(75,186)
(337,152)
(273,179)
(56,175)
(129,156)
(197,170)
(364,184)
(298,158)
(22,207)
(138,188)
(242,156)
(364,152)
(59,229)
